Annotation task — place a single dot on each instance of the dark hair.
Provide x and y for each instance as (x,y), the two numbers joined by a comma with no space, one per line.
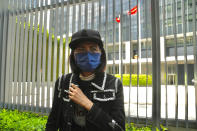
(101,68)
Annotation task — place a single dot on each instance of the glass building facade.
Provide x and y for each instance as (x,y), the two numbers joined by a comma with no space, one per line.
(140,32)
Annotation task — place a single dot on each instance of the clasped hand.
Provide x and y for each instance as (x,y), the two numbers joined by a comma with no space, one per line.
(78,97)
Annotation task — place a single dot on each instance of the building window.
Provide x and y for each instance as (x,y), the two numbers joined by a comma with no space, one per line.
(116,52)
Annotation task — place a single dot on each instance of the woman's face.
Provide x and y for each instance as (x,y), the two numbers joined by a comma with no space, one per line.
(87,56)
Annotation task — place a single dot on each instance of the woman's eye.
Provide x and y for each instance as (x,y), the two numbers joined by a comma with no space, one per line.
(80,50)
(94,49)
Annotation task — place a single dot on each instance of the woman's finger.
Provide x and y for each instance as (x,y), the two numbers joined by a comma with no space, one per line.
(70,93)
(71,89)
(74,86)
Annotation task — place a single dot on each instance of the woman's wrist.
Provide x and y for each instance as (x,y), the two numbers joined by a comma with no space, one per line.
(88,105)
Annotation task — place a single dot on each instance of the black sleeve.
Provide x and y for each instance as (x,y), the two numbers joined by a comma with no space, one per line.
(52,119)
(113,120)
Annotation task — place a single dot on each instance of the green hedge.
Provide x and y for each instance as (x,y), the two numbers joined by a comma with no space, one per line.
(142,79)
(134,127)
(14,120)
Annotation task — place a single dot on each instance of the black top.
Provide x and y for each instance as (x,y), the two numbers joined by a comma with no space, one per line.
(106,114)
(79,111)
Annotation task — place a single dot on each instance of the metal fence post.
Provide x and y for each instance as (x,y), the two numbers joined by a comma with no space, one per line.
(1,29)
(156,92)
(3,41)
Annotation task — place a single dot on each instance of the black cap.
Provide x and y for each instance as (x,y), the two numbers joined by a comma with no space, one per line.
(85,35)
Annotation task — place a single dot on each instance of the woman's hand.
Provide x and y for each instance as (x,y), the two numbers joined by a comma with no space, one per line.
(77,96)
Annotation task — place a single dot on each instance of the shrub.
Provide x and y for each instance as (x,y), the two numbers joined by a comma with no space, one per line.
(142,79)
(11,120)
(134,127)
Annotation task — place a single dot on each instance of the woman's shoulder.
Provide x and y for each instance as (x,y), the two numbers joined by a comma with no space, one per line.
(106,75)
(64,77)
(110,76)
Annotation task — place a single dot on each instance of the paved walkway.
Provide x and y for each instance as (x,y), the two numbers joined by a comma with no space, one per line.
(171,101)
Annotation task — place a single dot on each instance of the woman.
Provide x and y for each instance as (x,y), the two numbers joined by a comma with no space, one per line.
(87,99)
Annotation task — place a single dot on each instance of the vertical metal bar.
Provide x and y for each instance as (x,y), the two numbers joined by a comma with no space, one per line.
(3,60)
(30,64)
(7,59)
(185,63)
(7,80)
(16,59)
(130,64)
(7,75)
(195,52)
(146,45)
(7,87)
(79,19)
(25,26)
(92,21)
(33,93)
(24,79)
(175,40)
(138,54)
(106,28)
(114,35)
(49,58)
(15,38)
(166,71)
(61,38)
(38,80)
(1,30)
(99,29)
(43,82)
(21,42)
(25,6)
(187,14)
(12,10)
(121,39)
(86,14)
(89,14)
(74,17)
(1,94)
(12,52)
(67,35)
(156,89)
(55,46)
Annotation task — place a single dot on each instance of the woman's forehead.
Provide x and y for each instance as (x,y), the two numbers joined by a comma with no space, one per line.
(87,43)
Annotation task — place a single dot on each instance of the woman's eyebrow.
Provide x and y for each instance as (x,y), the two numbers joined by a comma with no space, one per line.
(94,46)
(80,46)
